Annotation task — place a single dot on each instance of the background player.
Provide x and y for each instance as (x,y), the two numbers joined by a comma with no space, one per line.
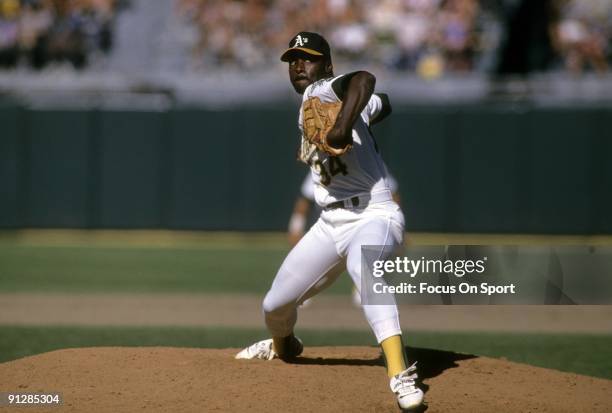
(358,209)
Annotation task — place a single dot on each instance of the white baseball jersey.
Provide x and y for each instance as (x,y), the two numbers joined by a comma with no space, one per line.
(308,186)
(360,171)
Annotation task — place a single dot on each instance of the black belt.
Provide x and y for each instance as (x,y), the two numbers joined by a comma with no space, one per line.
(340,204)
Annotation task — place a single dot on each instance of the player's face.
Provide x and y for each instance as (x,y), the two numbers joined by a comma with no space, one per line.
(304,70)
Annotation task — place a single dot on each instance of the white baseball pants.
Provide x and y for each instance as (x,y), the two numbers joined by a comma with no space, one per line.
(333,244)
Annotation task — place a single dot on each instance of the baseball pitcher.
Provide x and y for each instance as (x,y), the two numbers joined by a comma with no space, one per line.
(352,188)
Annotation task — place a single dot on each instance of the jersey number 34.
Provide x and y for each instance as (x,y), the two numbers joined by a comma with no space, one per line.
(335,166)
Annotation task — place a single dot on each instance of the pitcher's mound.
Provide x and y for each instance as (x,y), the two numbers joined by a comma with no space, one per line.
(325,379)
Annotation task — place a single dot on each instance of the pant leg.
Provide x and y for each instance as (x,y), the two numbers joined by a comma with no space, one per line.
(382,231)
(311,266)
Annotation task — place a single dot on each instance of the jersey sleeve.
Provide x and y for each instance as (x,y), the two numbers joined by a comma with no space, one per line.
(372,109)
(324,90)
(307,188)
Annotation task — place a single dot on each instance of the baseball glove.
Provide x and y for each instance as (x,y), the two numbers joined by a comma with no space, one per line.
(318,119)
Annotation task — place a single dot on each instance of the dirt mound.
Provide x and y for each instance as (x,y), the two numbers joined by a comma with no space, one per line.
(325,379)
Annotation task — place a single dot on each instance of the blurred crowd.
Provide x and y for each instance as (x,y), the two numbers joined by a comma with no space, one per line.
(38,33)
(424,35)
(429,37)
(582,34)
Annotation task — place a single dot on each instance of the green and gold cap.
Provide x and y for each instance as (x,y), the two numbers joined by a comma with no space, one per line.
(309,43)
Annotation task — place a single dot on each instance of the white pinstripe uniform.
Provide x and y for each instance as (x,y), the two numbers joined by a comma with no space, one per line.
(334,241)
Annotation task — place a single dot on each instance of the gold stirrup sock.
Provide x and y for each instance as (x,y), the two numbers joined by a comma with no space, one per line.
(393,349)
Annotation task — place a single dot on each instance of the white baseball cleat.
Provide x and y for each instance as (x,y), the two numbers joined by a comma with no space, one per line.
(403,385)
(261,350)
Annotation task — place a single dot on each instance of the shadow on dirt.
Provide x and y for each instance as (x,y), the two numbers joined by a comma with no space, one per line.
(431,363)
(339,361)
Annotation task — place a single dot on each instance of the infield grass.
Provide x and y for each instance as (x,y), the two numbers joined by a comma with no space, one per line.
(203,269)
(177,261)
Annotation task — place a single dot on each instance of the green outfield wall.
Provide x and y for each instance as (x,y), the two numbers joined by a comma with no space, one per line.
(495,168)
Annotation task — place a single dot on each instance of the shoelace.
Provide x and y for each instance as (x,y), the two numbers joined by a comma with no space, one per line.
(262,347)
(406,378)
(265,349)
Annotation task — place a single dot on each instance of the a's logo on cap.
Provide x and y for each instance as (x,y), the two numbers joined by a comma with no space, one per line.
(300,41)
